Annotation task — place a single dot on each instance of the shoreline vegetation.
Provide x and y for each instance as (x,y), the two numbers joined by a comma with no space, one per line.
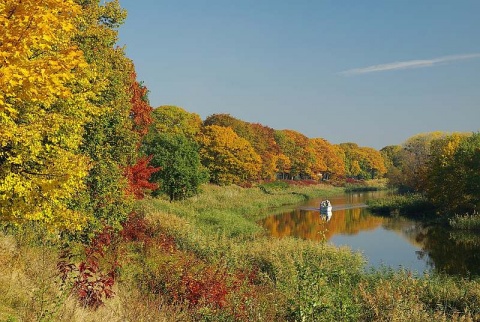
(205,259)
(416,206)
(410,205)
(368,185)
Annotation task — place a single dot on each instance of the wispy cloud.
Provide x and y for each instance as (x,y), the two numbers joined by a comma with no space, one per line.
(409,64)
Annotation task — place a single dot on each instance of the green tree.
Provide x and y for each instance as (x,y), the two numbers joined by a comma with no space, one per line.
(467,161)
(110,140)
(181,172)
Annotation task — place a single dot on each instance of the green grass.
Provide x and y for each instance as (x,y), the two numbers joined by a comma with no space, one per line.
(412,205)
(214,234)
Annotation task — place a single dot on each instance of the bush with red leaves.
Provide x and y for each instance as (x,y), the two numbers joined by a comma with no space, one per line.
(90,284)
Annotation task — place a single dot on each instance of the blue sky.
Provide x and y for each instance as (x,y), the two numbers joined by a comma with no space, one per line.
(370,72)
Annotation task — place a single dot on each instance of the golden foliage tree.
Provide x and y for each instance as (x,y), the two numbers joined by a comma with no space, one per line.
(412,160)
(261,138)
(327,161)
(362,162)
(447,177)
(44,103)
(299,151)
(373,162)
(228,157)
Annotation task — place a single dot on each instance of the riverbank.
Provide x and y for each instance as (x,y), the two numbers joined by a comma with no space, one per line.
(410,205)
(205,259)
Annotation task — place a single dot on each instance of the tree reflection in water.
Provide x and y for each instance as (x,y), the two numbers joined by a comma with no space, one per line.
(443,250)
(451,252)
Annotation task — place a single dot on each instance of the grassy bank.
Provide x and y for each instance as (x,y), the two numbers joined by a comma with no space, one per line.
(204,259)
(411,205)
(368,185)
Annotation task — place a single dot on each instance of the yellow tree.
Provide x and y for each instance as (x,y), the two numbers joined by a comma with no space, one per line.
(443,185)
(44,104)
(228,157)
(263,142)
(298,149)
(413,160)
(362,162)
(327,161)
(374,162)
(260,137)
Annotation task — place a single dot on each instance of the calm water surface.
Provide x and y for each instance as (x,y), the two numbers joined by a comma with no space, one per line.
(394,242)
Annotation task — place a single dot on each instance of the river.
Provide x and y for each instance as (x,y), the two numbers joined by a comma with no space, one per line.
(394,242)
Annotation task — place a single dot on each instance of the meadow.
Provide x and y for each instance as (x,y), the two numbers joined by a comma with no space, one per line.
(205,259)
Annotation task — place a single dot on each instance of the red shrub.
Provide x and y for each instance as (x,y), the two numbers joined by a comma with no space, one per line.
(136,228)
(90,284)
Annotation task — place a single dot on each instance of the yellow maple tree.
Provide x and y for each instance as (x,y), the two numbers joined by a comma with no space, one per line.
(44,104)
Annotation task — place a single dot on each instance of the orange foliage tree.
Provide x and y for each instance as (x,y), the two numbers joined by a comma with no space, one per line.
(263,141)
(138,174)
(141,111)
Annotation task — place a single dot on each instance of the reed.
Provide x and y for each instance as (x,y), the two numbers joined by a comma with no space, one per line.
(466,221)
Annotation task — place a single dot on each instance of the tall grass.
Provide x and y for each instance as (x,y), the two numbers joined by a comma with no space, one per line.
(466,222)
(232,210)
(409,205)
(368,185)
(204,259)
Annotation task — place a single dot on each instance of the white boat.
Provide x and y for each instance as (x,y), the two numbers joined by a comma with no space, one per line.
(325,206)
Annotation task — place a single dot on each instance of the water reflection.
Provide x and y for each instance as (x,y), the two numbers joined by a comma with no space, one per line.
(451,252)
(395,242)
(306,222)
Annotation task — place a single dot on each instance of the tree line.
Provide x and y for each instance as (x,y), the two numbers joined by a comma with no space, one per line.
(226,150)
